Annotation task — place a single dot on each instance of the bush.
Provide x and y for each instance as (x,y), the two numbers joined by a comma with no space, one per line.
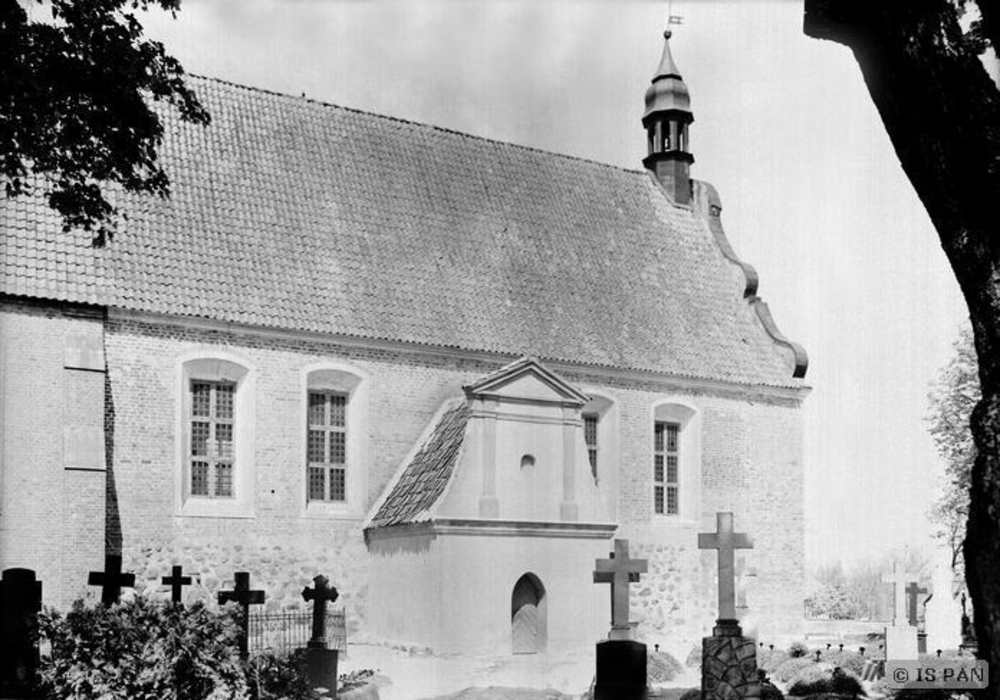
(693,659)
(141,649)
(771,659)
(354,679)
(798,650)
(790,668)
(661,667)
(279,676)
(768,691)
(838,682)
(850,661)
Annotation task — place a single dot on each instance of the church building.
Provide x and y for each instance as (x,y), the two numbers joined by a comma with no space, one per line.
(444,371)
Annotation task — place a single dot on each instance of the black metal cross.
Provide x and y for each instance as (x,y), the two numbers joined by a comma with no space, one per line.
(244,597)
(111,580)
(321,593)
(176,581)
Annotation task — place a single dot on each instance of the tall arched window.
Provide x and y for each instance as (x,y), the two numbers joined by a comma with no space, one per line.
(215,429)
(676,460)
(335,439)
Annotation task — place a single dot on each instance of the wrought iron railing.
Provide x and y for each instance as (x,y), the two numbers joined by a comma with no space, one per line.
(287,631)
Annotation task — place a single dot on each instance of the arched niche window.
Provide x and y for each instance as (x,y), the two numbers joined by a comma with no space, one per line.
(335,398)
(600,435)
(215,455)
(676,460)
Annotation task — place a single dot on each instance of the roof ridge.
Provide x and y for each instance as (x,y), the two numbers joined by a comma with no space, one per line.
(412,122)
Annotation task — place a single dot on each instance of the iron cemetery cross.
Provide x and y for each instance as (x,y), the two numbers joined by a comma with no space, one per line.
(176,581)
(320,594)
(244,597)
(111,580)
(912,591)
(898,578)
(619,570)
(727,542)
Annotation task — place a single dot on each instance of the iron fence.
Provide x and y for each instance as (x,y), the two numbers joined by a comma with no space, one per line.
(284,632)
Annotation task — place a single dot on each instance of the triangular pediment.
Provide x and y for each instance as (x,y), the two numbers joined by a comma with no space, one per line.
(527,379)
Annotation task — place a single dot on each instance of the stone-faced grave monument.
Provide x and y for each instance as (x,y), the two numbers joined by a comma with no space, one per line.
(621,660)
(901,636)
(729,659)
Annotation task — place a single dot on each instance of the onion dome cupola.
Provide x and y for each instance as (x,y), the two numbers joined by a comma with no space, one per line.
(667,116)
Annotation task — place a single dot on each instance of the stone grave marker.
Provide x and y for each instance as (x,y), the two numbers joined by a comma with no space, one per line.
(621,660)
(942,613)
(748,619)
(321,661)
(244,597)
(900,638)
(20,602)
(729,660)
(913,593)
(111,580)
(176,580)
(744,571)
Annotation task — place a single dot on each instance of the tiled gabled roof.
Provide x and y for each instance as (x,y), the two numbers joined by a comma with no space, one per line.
(425,476)
(292,214)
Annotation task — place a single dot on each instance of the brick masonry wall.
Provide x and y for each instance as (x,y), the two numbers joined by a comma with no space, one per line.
(52,478)
(751,464)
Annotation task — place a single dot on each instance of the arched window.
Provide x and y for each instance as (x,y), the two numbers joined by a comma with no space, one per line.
(334,441)
(215,446)
(676,460)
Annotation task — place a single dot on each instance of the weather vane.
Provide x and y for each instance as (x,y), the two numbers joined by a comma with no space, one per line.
(671,17)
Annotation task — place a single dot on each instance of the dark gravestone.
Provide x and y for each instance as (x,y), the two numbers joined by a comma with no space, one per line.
(176,581)
(20,601)
(111,580)
(321,662)
(244,597)
(621,661)
(913,593)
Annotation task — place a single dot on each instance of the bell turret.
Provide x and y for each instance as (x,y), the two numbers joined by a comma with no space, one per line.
(667,116)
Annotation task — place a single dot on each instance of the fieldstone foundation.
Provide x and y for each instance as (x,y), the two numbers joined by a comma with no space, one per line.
(729,664)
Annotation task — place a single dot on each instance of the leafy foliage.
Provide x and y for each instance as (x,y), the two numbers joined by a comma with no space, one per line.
(797,650)
(838,681)
(952,397)
(75,109)
(661,667)
(279,676)
(790,668)
(141,649)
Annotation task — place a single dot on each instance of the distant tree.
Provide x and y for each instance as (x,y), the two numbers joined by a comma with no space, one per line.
(952,398)
(922,61)
(75,113)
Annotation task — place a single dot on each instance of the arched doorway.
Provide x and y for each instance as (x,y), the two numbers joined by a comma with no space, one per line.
(527,615)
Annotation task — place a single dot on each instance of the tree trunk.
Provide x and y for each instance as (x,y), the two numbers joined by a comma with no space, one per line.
(942,113)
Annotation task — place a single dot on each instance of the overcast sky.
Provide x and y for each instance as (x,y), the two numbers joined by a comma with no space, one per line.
(812,193)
